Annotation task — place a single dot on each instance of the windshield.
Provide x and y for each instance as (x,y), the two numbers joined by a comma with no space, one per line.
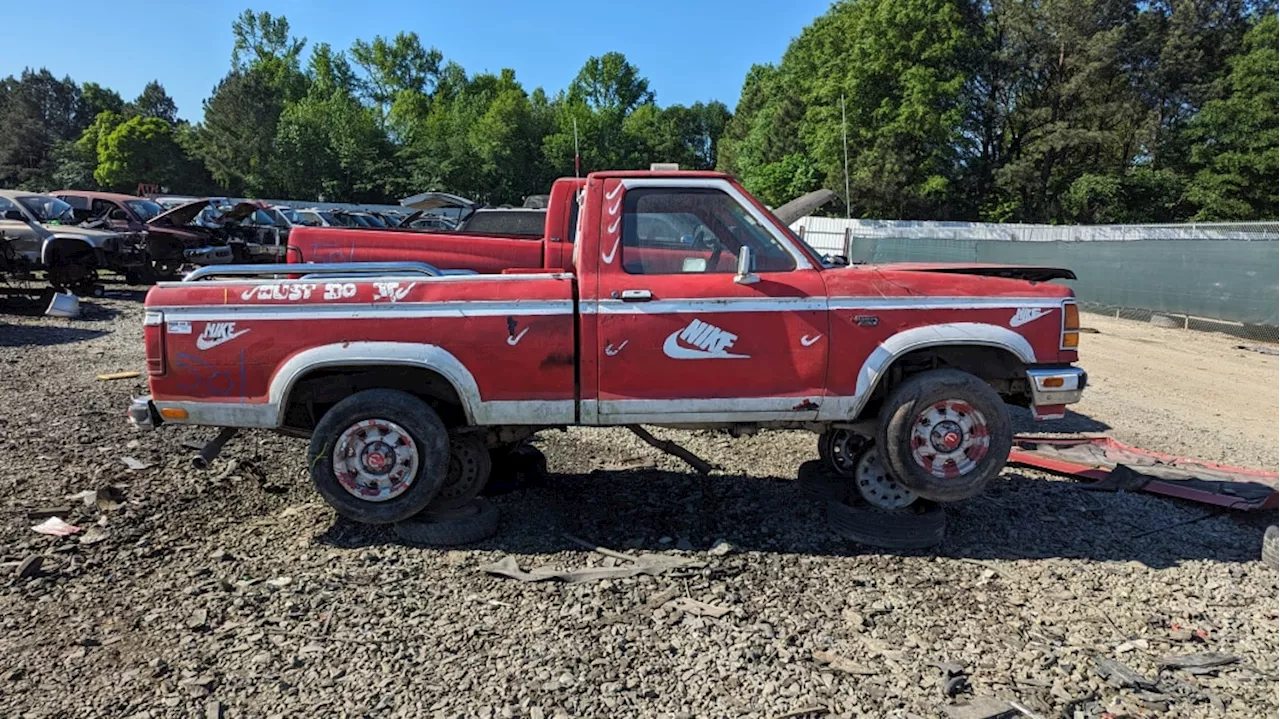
(373,220)
(48,209)
(310,219)
(291,215)
(144,209)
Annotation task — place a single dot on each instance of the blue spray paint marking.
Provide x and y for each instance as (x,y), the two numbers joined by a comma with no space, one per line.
(202,377)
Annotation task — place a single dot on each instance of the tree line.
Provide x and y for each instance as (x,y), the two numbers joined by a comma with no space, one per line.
(999,110)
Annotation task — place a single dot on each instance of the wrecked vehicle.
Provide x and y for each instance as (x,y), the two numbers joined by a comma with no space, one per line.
(392,369)
(169,244)
(43,234)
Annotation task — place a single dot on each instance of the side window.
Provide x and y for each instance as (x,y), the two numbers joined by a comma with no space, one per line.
(100,208)
(668,231)
(6,205)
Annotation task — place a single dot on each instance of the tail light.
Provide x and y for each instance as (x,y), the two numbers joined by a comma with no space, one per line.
(1070,326)
(153,333)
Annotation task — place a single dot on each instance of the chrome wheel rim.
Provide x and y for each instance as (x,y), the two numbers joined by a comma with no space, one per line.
(876,486)
(949,439)
(375,460)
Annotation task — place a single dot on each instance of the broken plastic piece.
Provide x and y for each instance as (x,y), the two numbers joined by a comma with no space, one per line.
(54,526)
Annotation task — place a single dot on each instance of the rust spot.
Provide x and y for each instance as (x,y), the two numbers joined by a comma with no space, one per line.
(807,404)
(558,359)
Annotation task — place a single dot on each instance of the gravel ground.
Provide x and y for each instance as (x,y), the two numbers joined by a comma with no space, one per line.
(237,593)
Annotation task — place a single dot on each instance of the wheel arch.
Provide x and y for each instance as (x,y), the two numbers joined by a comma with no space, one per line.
(990,352)
(427,370)
(54,246)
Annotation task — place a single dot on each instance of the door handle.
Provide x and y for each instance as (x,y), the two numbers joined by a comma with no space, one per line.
(636,295)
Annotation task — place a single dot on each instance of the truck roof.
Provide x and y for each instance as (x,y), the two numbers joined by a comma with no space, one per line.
(711,174)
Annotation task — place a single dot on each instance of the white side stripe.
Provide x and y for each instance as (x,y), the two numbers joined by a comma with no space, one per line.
(813,304)
(352,311)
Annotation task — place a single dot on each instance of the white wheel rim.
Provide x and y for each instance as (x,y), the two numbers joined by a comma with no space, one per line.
(949,438)
(876,486)
(375,460)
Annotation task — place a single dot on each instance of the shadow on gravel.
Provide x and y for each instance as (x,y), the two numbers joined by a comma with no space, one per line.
(1073,422)
(44,336)
(1019,517)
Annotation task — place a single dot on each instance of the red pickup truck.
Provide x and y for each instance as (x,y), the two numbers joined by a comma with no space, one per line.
(679,300)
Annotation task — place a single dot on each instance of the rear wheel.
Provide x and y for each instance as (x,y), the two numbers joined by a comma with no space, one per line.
(944,434)
(379,456)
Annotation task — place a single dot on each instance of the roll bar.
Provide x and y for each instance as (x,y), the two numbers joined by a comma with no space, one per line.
(316,270)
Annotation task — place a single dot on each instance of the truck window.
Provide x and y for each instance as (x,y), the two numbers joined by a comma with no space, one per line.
(688,230)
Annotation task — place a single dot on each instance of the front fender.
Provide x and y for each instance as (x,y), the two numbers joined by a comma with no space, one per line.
(74,243)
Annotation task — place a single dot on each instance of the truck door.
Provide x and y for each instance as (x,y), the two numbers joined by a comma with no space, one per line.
(681,338)
(22,236)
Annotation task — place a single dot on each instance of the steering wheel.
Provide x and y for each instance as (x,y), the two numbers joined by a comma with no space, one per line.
(706,239)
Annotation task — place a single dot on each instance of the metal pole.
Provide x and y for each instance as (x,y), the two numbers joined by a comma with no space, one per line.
(844,130)
(577,161)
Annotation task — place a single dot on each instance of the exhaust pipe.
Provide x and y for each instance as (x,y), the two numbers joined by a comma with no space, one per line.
(210,451)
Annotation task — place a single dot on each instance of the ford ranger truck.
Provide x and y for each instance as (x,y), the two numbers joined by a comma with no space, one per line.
(684,303)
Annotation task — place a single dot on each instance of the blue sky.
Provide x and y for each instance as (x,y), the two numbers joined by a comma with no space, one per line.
(691,50)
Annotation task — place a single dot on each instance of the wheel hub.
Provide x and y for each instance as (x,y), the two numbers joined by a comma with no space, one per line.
(844,448)
(375,460)
(876,486)
(949,439)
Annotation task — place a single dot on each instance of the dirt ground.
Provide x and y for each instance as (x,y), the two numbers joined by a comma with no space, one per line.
(237,593)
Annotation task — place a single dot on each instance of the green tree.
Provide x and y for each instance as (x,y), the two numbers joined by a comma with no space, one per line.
(155,102)
(139,150)
(37,111)
(399,77)
(239,126)
(1234,139)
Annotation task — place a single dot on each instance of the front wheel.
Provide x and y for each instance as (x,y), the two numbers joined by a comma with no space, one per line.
(944,434)
(379,456)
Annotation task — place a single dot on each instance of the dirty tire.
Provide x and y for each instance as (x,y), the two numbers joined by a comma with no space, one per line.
(904,408)
(1270,553)
(469,468)
(418,420)
(472,522)
(839,449)
(923,524)
(818,482)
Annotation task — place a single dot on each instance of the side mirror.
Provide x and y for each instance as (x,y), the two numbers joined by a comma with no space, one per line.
(117,214)
(746,265)
(14,215)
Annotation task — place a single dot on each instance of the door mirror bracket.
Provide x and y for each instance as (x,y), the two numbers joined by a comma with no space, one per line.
(746,265)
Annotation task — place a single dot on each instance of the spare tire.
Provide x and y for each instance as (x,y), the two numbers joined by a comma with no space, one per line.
(472,522)
(923,524)
(944,434)
(817,481)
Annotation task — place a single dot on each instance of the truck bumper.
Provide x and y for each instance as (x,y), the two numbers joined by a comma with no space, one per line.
(1052,389)
(143,414)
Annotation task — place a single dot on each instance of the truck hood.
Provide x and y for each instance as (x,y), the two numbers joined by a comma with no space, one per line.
(92,236)
(181,215)
(1031,273)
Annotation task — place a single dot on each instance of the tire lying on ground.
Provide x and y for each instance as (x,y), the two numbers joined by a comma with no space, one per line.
(921,525)
(379,456)
(1270,552)
(472,522)
(944,434)
(818,482)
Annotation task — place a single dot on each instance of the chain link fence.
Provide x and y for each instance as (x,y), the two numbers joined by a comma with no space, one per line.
(1220,277)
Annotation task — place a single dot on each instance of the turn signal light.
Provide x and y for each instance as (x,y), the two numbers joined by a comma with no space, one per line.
(1050,382)
(173,413)
(1070,316)
(1071,340)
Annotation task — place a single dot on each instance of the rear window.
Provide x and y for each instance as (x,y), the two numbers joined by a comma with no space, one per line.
(508,222)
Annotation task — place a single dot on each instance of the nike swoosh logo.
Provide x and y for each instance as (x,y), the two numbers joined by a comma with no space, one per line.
(614,210)
(614,226)
(203,343)
(808,340)
(608,257)
(515,340)
(1021,318)
(610,350)
(614,192)
(673,349)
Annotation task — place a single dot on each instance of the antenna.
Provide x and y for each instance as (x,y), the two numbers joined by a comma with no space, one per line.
(577,159)
(844,130)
